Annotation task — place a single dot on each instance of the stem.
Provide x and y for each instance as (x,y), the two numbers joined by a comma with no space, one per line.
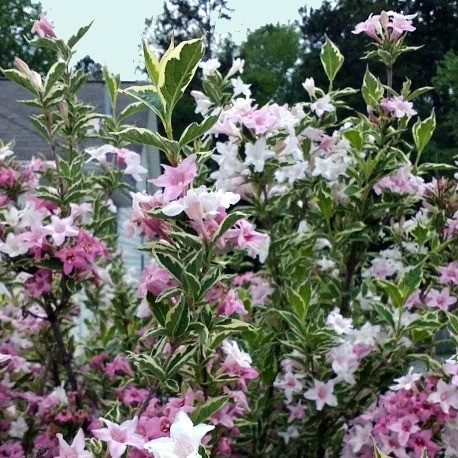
(147,400)
(64,355)
(389,76)
(52,146)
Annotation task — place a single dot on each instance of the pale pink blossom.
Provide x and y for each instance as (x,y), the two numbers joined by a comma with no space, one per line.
(322,393)
(407,382)
(175,180)
(445,395)
(290,384)
(43,27)
(322,106)
(119,437)
(60,228)
(440,299)
(76,449)
(398,106)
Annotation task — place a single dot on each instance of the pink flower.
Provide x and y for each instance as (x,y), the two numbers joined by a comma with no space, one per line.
(43,27)
(322,106)
(231,304)
(244,237)
(449,273)
(440,299)
(445,395)
(59,228)
(451,368)
(175,180)
(76,450)
(421,441)
(398,106)
(404,427)
(371,27)
(290,383)
(237,361)
(119,366)
(39,284)
(120,436)
(72,258)
(322,393)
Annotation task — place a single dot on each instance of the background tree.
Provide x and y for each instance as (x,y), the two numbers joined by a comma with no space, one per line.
(16,20)
(270,53)
(90,67)
(186,19)
(437,32)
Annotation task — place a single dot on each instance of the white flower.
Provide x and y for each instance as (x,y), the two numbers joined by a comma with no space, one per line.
(99,154)
(361,436)
(291,433)
(407,382)
(4,358)
(209,66)
(237,66)
(5,151)
(133,166)
(203,103)
(18,428)
(338,323)
(12,246)
(235,355)
(322,105)
(60,394)
(184,440)
(445,395)
(201,203)
(257,154)
(309,86)
(240,87)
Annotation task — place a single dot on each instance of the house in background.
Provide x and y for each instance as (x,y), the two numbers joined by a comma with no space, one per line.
(15,125)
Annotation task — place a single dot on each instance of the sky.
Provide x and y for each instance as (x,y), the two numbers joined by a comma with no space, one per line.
(115,35)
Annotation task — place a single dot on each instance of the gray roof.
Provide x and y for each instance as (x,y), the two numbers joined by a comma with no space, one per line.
(14,116)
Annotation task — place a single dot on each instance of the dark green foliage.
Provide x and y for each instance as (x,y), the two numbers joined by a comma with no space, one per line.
(270,53)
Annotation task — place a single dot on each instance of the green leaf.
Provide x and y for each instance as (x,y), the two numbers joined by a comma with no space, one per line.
(151,63)
(324,202)
(410,280)
(422,132)
(177,69)
(372,89)
(148,137)
(171,264)
(196,130)
(331,58)
(78,35)
(179,358)
(204,411)
(429,166)
(131,110)
(177,320)
(20,79)
(159,309)
(300,299)
(393,292)
(112,84)
(385,314)
(55,72)
(190,284)
(355,137)
(149,96)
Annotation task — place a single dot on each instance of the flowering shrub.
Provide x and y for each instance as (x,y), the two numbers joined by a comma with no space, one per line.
(302,260)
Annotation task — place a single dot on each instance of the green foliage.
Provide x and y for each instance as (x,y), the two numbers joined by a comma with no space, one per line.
(270,53)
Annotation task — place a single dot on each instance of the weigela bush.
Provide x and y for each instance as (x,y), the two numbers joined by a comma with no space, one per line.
(300,297)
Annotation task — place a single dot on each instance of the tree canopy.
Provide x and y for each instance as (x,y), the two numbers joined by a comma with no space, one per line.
(270,54)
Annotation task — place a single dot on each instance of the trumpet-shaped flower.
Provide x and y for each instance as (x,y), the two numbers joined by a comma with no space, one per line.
(119,437)
(175,180)
(43,27)
(76,449)
(184,440)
